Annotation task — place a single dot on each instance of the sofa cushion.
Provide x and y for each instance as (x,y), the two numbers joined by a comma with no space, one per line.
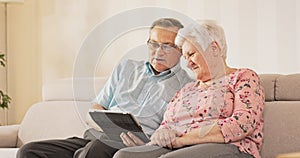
(8,152)
(288,87)
(268,82)
(281,128)
(53,120)
(69,89)
(9,136)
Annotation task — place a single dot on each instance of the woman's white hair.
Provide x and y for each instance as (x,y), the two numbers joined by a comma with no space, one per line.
(203,33)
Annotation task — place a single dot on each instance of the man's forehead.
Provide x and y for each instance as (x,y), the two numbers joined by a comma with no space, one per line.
(160,33)
(168,29)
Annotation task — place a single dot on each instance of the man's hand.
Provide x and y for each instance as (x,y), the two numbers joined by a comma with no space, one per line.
(129,139)
(98,107)
(163,138)
(89,121)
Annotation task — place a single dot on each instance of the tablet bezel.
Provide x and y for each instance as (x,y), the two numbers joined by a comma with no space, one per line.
(114,123)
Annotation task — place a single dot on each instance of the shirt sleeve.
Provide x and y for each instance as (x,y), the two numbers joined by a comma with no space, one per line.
(248,108)
(107,93)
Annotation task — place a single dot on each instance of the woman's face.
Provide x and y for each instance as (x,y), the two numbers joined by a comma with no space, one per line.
(199,61)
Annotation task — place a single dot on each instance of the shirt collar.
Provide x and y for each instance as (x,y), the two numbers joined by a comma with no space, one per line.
(174,69)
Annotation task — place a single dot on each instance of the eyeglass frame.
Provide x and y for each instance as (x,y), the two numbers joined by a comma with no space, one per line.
(163,46)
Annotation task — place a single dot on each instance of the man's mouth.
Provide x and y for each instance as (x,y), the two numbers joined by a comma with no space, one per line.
(158,60)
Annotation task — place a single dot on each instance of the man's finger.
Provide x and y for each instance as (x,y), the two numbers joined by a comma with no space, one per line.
(123,137)
(127,140)
(136,139)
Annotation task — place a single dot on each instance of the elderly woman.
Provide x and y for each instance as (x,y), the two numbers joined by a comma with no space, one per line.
(218,115)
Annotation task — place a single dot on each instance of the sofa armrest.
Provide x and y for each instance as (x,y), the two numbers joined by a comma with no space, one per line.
(9,136)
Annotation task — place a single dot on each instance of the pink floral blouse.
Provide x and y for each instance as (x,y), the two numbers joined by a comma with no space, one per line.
(234,102)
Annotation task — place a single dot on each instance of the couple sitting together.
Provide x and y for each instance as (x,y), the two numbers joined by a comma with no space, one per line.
(218,114)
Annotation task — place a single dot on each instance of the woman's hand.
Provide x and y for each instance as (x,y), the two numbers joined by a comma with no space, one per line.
(212,134)
(163,138)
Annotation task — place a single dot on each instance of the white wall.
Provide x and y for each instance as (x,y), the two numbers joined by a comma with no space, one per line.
(262,34)
(45,37)
(24,58)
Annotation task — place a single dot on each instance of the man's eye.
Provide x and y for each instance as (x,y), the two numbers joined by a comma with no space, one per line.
(155,45)
(166,46)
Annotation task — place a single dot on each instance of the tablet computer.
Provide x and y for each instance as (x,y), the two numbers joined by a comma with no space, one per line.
(114,123)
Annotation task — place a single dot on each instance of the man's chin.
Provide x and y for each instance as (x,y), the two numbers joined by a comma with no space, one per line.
(160,68)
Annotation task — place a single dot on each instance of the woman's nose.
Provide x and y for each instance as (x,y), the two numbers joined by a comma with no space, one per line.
(190,63)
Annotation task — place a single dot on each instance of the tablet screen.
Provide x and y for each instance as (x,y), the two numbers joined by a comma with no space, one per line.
(114,123)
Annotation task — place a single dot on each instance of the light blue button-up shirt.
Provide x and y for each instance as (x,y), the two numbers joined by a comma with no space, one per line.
(134,88)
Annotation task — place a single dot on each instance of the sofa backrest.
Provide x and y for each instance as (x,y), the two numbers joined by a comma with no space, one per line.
(62,112)
(73,89)
(281,127)
(281,87)
(52,120)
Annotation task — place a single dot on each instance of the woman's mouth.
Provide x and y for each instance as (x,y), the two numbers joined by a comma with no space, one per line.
(194,67)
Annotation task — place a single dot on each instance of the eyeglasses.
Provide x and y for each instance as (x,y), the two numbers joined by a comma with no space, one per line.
(167,48)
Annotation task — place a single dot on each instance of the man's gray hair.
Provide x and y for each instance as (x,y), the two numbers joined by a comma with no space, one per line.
(203,33)
(166,22)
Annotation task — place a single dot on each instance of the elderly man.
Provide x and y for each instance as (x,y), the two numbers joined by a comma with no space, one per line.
(137,87)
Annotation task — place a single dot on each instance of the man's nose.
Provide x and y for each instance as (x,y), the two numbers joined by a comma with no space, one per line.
(159,51)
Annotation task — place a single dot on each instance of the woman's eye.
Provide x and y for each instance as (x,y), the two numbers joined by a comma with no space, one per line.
(191,54)
(188,55)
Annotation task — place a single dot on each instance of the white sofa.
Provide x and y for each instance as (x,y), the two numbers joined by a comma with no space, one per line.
(61,114)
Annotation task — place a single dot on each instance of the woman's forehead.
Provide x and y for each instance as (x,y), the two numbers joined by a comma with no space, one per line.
(190,45)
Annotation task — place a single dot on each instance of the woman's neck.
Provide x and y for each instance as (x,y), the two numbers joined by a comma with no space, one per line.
(209,80)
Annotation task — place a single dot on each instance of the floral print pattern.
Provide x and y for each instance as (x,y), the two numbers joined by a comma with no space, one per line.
(234,102)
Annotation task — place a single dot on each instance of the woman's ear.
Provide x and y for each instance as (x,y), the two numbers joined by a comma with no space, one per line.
(215,48)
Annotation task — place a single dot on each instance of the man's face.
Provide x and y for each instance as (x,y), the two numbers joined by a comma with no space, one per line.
(163,52)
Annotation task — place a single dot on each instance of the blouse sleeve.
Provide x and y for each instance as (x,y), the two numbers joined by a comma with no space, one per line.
(248,108)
